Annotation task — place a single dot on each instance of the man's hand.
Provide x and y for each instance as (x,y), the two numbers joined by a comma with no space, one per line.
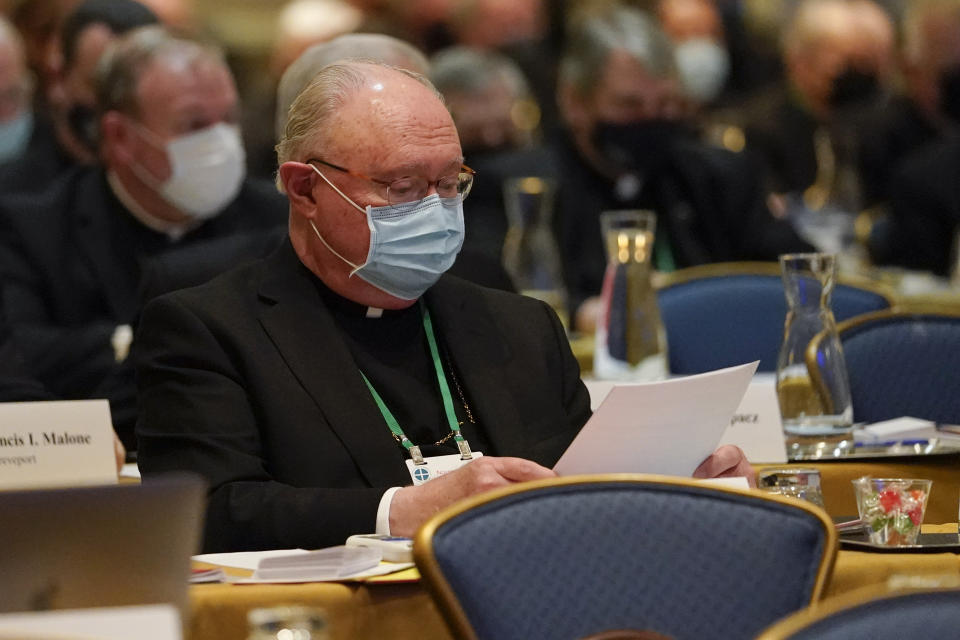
(412,506)
(726,462)
(119,452)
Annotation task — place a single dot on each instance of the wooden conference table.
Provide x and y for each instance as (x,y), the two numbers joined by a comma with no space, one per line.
(404,611)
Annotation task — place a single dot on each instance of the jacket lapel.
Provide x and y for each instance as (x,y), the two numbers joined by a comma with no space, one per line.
(309,341)
(479,354)
(92,218)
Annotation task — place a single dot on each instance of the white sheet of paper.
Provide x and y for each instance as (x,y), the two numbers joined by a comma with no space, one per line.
(737,482)
(56,443)
(244,559)
(666,427)
(756,426)
(382,569)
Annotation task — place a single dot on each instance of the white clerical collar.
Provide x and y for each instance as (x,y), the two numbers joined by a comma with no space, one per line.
(373,312)
(173,230)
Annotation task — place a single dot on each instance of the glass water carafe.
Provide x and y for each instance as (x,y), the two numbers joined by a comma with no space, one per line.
(814,392)
(530,253)
(631,343)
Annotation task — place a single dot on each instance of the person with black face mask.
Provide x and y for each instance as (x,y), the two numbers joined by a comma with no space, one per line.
(922,221)
(928,107)
(625,148)
(67,135)
(838,58)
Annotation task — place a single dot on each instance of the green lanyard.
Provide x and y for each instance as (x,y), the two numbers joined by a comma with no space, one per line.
(391,421)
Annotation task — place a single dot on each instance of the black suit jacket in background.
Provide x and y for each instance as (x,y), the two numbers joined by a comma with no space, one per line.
(70,266)
(924,212)
(709,204)
(247,381)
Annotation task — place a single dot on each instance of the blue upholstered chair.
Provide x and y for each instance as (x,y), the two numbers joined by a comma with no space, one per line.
(900,364)
(569,557)
(720,315)
(877,616)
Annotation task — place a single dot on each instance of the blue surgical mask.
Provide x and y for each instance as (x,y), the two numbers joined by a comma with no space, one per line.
(15,134)
(411,244)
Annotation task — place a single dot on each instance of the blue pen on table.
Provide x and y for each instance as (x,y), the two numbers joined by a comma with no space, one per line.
(891,443)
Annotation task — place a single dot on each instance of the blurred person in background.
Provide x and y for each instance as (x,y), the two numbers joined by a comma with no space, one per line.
(172,176)
(300,24)
(16,94)
(38,22)
(839,62)
(928,107)
(497,120)
(697,32)
(67,135)
(176,14)
(522,30)
(921,228)
(627,148)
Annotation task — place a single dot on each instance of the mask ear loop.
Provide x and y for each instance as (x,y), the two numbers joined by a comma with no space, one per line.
(334,251)
(355,266)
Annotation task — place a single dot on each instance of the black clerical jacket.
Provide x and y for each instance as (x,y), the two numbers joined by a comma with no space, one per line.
(70,265)
(247,381)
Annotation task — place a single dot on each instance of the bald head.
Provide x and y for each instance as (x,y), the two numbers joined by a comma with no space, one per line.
(828,38)
(378,88)
(369,46)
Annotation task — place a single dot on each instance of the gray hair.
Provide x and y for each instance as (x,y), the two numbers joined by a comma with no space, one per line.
(468,71)
(316,105)
(370,46)
(123,63)
(619,28)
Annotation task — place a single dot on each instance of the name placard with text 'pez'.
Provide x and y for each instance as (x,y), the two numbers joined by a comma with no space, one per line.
(55,444)
(756,426)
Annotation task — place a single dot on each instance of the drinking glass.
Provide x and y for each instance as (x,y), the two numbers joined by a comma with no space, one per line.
(794,482)
(892,508)
(530,253)
(815,404)
(293,622)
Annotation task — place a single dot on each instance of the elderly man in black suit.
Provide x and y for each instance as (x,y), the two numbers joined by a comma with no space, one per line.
(309,387)
(71,258)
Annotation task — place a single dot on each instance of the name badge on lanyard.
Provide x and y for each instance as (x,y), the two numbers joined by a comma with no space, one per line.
(436,466)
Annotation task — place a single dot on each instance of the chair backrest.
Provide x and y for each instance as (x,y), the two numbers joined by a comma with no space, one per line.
(725,314)
(900,363)
(570,557)
(876,615)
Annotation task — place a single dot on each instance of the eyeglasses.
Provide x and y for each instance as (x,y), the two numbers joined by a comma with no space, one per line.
(412,188)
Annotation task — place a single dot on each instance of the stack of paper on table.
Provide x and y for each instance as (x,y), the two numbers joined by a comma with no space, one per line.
(332,563)
(298,565)
(904,429)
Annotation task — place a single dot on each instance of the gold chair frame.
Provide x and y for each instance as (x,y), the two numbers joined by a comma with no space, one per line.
(810,356)
(748,268)
(448,603)
(802,619)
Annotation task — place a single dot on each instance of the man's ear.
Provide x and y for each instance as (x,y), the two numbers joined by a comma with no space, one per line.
(298,182)
(116,139)
(573,108)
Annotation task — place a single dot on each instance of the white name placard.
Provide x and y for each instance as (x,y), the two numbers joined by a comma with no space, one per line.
(56,443)
(756,426)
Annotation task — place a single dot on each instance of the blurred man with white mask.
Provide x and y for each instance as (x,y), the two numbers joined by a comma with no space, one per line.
(71,258)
